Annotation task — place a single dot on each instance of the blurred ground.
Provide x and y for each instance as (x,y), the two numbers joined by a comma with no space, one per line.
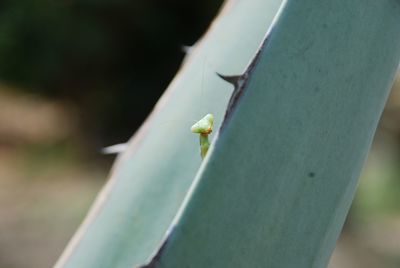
(46,182)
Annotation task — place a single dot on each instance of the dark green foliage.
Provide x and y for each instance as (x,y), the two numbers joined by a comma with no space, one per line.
(102,55)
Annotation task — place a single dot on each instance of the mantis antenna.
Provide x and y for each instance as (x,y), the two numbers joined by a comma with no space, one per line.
(203,127)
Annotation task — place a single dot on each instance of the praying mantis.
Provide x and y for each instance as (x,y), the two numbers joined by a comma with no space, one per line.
(204,127)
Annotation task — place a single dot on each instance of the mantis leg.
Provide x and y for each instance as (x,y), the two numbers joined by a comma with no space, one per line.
(204,145)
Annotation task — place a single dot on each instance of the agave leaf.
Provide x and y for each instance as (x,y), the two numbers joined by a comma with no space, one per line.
(278,182)
(128,222)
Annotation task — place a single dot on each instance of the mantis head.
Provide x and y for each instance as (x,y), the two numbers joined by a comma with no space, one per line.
(204,125)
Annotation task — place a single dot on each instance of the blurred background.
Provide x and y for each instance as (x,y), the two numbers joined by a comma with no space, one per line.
(77,75)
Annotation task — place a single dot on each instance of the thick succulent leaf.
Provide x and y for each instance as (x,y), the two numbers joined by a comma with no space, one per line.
(129,220)
(278,182)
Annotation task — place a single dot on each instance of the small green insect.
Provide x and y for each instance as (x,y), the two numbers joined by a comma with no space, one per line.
(204,128)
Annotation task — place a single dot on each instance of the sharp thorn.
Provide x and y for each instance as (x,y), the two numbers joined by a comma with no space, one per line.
(186,49)
(115,149)
(232,79)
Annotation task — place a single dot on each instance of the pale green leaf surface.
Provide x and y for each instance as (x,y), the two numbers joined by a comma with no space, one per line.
(129,220)
(278,182)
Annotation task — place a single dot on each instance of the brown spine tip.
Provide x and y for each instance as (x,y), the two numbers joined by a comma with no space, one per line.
(232,79)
